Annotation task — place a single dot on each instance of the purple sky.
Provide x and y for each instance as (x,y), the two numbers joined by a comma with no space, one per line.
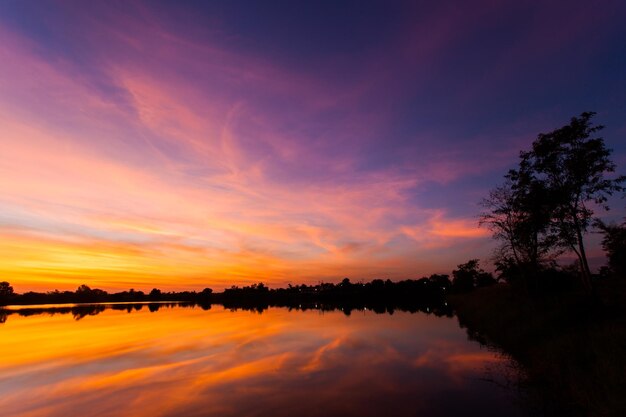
(184,143)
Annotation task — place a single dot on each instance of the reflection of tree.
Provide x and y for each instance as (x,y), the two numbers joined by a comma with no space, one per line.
(346,305)
(87,310)
(128,307)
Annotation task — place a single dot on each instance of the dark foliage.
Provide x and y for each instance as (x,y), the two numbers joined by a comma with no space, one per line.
(570,347)
(544,207)
(382,297)
(6,293)
(469,276)
(614,244)
(426,294)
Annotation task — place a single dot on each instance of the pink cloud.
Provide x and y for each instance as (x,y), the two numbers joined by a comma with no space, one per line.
(169,179)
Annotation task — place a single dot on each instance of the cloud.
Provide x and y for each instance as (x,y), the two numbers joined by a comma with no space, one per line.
(194,158)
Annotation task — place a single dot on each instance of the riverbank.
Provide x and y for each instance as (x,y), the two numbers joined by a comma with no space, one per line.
(573,349)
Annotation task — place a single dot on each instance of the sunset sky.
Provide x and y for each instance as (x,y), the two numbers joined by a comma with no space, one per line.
(181,144)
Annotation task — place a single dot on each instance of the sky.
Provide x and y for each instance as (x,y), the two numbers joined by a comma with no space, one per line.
(195,143)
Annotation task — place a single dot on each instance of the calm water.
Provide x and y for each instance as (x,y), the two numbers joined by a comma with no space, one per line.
(183,361)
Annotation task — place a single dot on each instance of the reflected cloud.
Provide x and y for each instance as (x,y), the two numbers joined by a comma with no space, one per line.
(186,361)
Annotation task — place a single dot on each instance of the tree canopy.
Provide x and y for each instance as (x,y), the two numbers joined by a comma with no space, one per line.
(546,205)
(6,290)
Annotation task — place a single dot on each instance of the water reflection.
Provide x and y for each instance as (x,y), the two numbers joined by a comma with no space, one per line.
(184,360)
(79,311)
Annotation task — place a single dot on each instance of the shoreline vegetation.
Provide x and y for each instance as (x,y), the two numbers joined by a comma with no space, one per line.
(563,324)
(426,294)
(571,347)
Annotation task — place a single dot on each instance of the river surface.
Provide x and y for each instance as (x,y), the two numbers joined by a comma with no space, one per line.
(188,361)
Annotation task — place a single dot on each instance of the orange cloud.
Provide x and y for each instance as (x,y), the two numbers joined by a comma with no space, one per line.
(160,184)
(440,232)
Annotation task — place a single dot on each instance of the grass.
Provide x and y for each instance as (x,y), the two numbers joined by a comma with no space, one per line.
(572,348)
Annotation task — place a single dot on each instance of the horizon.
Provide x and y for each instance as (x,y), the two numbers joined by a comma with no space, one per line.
(199,288)
(153,145)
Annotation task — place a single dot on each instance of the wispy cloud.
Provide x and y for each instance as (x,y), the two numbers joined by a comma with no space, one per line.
(145,152)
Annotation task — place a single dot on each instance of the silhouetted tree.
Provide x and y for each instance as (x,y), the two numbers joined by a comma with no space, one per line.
(543,208)
(155,294)
(614,244)
(204,296)
(441,281)
(83,289)
(518,214)
(6,292)
(571,163)
(470,275)
(86,294)
(484,279)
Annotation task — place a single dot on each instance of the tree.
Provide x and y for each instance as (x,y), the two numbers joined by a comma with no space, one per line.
(440,280)
(518,215)
(572,165)
(470,275)
(544,206)
(484,279)
(614,244)
(83,289)
(6,292)
(155,294)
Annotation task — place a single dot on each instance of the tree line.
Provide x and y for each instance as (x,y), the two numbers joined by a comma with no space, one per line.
(86,294)
(431,289)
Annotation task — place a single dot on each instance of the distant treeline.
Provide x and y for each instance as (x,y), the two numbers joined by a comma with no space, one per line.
(85,294)
(378,294)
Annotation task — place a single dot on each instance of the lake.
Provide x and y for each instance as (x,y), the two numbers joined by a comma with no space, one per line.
(179,360)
